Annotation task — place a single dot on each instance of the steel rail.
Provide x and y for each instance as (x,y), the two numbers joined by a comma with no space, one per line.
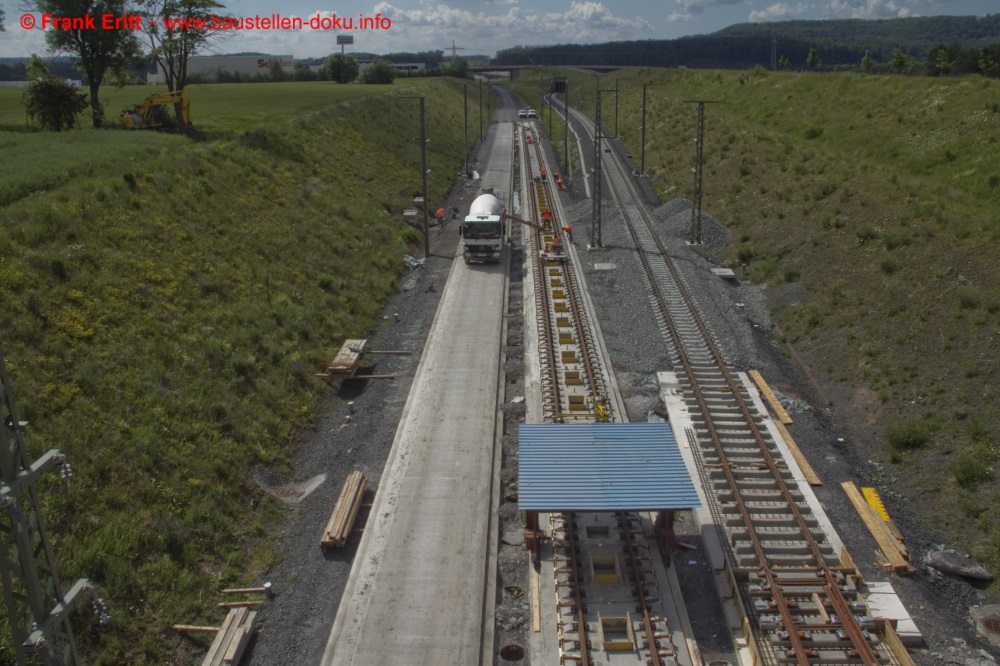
(832,589)
(640,590)
(552,402)
(595,386)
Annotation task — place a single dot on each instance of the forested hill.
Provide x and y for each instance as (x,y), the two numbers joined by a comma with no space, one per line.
(839,43)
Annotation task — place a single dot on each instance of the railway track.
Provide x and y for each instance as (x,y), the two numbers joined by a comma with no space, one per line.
(608,599)
(798,596)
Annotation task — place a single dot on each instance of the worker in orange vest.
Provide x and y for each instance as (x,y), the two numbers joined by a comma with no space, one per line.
(546,216)
(569,232)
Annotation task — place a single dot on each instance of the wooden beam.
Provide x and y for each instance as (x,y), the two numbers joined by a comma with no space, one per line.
(193,627)
(772,399)
(536,614)
(799,457)
(224,637)
(886,543)
(897,647)
(345,511)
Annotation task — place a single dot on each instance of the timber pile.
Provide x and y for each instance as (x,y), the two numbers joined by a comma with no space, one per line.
(232,638)
(348,362)
(345,511)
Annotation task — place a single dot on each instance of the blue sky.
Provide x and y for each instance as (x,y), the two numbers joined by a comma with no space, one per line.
(484,26)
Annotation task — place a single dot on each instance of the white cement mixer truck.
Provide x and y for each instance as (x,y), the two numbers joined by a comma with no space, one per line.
(483,230)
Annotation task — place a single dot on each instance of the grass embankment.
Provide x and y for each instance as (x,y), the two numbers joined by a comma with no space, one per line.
(874,202)
(165,305)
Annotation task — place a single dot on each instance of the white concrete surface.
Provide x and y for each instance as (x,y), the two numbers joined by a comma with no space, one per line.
(417,590)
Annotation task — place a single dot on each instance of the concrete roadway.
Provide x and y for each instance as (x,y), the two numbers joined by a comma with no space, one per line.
(422,575)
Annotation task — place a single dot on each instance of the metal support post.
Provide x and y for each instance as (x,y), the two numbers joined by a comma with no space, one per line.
(566,130)
(616,108)
(423,174)
(37,608)
(598,180)
(699,145)
(465,139)
(480,109)
(642,161)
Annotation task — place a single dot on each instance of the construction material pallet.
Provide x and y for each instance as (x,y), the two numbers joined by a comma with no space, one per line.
(232,638)
(345,511)
(348,361)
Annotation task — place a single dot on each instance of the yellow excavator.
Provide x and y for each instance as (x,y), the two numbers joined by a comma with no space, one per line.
(157,112)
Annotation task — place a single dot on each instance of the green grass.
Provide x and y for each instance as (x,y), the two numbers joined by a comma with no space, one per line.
(165,312)
(880,195)
(37,161)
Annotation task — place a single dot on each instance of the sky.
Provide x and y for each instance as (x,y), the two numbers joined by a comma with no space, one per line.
(481,27)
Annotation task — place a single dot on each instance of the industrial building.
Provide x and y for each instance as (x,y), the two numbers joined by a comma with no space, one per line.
(243,65)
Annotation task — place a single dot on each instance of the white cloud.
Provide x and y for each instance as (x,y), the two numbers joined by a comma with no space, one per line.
(689,9)
(779,10)
(432,28)
(16,42)
(867,9)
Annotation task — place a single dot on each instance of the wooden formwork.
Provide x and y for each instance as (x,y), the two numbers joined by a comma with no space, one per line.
(232,638)
(345,511)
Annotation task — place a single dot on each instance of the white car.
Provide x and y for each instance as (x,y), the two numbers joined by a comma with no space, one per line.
(523,113)
(532,114)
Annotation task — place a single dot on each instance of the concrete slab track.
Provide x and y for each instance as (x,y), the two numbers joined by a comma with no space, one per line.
(416,591)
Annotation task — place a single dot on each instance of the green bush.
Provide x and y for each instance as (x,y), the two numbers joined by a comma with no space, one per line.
(907,436)
(972,468)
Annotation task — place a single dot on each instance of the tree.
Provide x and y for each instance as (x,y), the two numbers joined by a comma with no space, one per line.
(784,63)
(1,19)
(275,71)
(813,59)
(100,51)
(340,67)
(50,100)
(458,68)
(901,62)
(942,63)
(175,30)
(380,71)
(866,62)
(987,65)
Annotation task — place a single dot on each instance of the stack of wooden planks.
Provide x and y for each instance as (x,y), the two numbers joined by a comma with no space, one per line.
(341,522)
(232,638)
(348,359)
(893,554)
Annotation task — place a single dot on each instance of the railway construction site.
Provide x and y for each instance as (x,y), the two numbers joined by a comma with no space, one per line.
(585,472)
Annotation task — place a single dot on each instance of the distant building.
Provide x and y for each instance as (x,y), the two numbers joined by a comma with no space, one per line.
(245,65)
(404,68)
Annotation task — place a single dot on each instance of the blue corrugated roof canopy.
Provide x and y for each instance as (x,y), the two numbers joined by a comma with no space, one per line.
(601,467)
